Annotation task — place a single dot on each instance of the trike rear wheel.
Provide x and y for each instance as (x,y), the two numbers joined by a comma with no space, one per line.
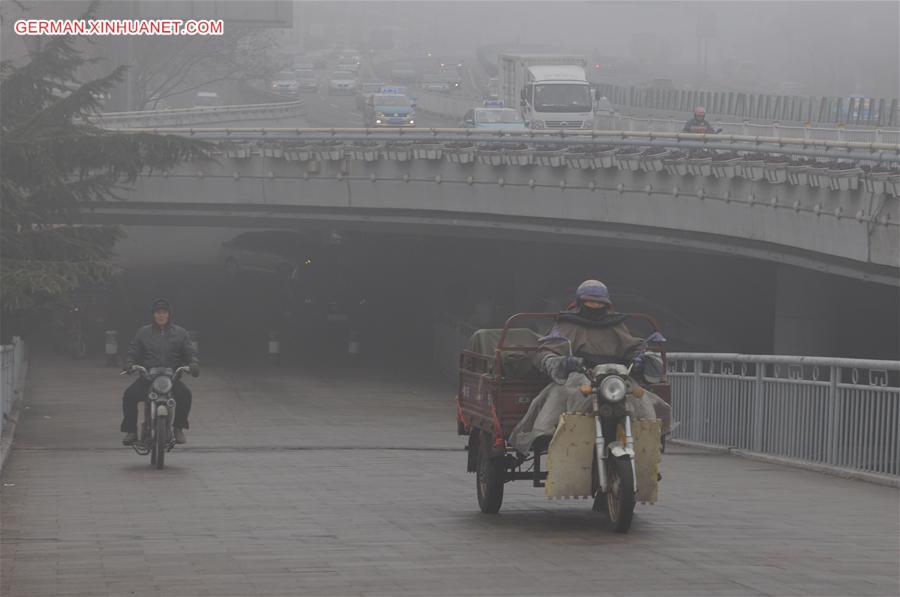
(489,479)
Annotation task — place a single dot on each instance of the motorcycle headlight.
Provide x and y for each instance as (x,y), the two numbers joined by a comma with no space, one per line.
(162,385)
(613,388)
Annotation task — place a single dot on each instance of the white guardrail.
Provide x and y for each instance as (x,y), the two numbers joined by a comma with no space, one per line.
(199,116)
(810,133)
(13,367)
(836,413)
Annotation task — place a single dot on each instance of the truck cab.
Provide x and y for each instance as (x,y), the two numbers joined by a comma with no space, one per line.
(557,97)
(552,91)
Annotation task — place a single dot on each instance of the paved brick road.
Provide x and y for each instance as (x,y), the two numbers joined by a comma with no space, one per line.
(310,484)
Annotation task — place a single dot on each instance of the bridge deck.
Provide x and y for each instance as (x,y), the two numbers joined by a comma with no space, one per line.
(291,484)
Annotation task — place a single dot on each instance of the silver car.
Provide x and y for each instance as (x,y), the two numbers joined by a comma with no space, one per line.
(342,83)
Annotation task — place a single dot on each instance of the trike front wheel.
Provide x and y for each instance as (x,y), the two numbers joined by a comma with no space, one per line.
(620,497)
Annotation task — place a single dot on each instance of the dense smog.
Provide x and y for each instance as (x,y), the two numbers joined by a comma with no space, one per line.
(449,298)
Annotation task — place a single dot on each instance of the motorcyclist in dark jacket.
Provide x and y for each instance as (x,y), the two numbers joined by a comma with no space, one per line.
(698,124)
(160,344)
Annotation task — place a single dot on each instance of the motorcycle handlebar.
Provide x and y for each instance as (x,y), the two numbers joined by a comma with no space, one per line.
(143,371)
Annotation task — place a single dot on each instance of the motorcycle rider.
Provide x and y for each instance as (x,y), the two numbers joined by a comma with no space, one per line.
(698,124)
(590,334)
(159,344)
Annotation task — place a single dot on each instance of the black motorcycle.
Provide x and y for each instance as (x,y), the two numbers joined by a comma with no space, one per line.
(156,435)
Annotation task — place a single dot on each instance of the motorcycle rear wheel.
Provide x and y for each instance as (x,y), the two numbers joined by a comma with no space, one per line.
(620,497)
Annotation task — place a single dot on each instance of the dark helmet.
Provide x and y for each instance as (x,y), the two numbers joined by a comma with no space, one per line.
(592,290)
(700,112)
(161,304)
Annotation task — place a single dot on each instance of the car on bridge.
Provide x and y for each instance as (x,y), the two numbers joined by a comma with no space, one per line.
(389,109)
(285,83)
(493,118)
(342,82)
(348,63)
(367,90)
(404,72)
(451,75)
(207,99)
(307,80)
(435,84)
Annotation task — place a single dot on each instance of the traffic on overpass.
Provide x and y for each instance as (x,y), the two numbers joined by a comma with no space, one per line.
(373,298)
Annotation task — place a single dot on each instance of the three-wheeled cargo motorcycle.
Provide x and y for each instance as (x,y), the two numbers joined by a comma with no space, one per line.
(601,454)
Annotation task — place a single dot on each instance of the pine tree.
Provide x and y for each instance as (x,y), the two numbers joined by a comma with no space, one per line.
(53,161)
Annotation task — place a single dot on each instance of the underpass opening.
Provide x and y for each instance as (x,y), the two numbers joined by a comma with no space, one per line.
(372,297)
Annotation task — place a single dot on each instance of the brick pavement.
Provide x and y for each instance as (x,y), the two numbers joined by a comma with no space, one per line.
(291,485)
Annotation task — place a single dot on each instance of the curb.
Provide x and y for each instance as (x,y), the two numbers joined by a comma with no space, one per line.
(877,478)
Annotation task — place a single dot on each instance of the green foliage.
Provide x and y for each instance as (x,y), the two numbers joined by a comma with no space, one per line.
(53,162)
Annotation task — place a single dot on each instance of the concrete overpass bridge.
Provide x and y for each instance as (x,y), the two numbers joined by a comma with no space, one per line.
(765,198)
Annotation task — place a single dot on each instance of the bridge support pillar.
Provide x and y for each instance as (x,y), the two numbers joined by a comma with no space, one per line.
(806,313)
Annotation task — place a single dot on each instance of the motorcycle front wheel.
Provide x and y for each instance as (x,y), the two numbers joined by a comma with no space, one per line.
(620,497)
(159,442)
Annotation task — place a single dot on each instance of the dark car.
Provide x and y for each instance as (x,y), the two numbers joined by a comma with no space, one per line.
(328,299)
(276,252)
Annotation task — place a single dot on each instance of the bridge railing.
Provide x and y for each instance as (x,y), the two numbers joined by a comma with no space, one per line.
(838,413)
(528,147)
(783,108)
(747,128)
(200,116)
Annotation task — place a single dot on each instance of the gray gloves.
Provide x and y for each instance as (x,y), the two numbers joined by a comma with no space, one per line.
(559,368)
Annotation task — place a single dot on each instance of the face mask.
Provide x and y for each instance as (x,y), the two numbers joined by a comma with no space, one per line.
(592,313)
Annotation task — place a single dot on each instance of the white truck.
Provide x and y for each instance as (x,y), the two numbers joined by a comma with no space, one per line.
(551,90)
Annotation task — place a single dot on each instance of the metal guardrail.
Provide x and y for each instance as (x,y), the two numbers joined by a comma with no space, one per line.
(13,366)
(807,133)
(200,116)
(842,413)
(783,108)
